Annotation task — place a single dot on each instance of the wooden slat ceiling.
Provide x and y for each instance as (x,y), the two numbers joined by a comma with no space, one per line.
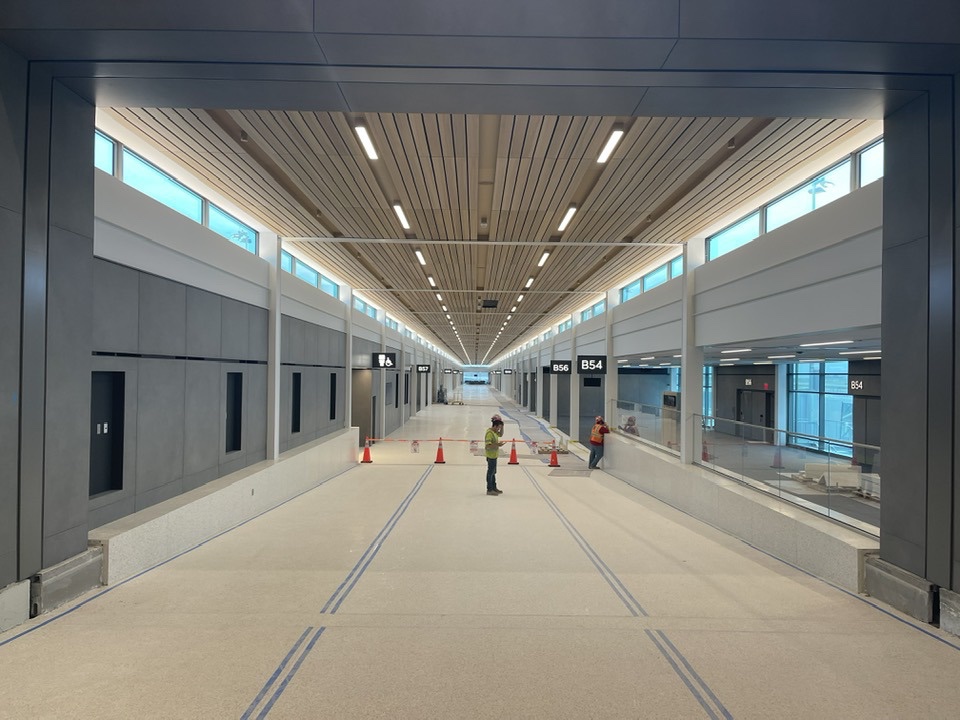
(466,180)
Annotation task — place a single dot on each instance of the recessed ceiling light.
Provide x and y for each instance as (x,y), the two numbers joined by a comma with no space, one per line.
(652,357)
(611,144)
(731,352)
(529,283)
(444,308)
(566,218)
(520,299)
(763,362)
(420,257)
(430,280)
(513,309)
(873,358)
(678,356)
(366,141)
(666,363)
(779,357)
(439,297)
(403,218)
(623,361)
(726,364)
(832,342)
(448,316)
(812,360)
(543,259)
(858,352)
(509,317)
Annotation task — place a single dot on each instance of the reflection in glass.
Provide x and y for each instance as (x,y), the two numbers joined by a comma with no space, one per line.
(232,229)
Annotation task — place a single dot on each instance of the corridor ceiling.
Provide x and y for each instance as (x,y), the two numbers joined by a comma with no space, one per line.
(488,119)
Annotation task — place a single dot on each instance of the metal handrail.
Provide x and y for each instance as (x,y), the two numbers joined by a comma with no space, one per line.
(793,433)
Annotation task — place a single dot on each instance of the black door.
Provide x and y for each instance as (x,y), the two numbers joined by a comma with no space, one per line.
(106,432)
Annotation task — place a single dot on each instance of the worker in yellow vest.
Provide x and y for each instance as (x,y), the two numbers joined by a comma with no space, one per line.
(600,429)
(491,446)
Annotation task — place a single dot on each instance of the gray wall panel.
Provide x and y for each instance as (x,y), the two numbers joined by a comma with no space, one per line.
(67,445)
(160,423)
(362,392)
(563,402)
(235,329)
(226,459)
(13,84)
(286,323)
(203,324)
(192,482)
(255,432)
(10,262)
(159,494)
(311,344)
(644,389)
(296,341)
(309,399)
(163,307)
(62,545)
(116,307)
(71,169)
(108,513)
(202,417)
(259,334)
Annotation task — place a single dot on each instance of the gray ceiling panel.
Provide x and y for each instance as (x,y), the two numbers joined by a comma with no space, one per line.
(276,15)
(895,21)
(166,46)
(490,99)
(767,102)
(239,94)
(550,18)
(501,52)
(803,55)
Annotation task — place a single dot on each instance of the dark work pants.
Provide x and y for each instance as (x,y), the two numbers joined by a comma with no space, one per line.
(491,473)
(596,453)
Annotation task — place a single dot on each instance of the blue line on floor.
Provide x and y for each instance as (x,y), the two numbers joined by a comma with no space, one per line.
(680,673)
(289,677)
(700,680)
(605,572)
(371,552)
(276,673)
(171,559)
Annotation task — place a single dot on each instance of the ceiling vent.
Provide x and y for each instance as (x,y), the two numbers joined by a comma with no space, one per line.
(488,303)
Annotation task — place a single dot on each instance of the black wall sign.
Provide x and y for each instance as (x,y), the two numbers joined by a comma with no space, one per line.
(508,371)
(447,371)
(592,364)
(423,368)
(384,360)
(868,385)
(559,367)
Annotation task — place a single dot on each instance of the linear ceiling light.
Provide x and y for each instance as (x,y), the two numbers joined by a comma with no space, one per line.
(520,299)
(439,298)
(529,283)
(611,144)
(403,218)
(873,358)
(366,141)
(543,259)
(731,352)
(859,352)
(832,342)
(431,281)
(566,218)
(779,357)
(652,357)
(444,308)
(513,309)
(420,257)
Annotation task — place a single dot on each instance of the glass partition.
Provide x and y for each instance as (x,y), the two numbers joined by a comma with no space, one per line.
(647,423)
(841,480)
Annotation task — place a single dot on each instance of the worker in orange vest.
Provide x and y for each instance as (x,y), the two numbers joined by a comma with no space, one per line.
(600,429)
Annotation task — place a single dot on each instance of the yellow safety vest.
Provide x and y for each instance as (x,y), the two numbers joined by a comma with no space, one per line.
(596,437)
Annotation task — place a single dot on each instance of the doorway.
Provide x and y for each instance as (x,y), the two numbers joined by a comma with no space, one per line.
(755,407)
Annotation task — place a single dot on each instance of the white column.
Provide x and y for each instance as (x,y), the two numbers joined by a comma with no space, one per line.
(780,398)
(574,381)
(381,429)
(554,379)
(611,381)
(270,246)
(348,358)
(691,361)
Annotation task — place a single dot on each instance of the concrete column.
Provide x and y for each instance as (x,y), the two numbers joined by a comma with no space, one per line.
(610,389)
(691,360)
(574,381)
(782,403)
(348,357)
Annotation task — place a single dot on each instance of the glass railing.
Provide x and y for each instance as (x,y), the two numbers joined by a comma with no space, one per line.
(648,423)
(843,484)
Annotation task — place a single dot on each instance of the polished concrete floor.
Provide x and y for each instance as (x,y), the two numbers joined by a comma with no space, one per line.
(399,589)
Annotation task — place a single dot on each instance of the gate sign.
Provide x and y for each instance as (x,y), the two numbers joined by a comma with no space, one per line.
(447,371)
(508,371)
(423,368)
(560,367)
(384,360)
(595,364)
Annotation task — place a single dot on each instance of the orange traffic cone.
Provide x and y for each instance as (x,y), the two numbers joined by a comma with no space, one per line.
(366,452)
(777,460)
(553,459)
(440,459)
(513,453)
